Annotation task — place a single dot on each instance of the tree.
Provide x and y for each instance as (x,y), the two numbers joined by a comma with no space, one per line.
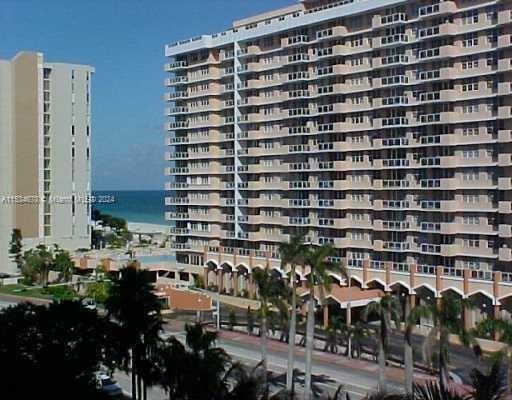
(490,327)
(201,371)
(250,320)
(16,248)
(53,351)
(292,254)
(37,264)
(410,323)
(447,319)
(136,310)
(387,311)
(269,292)
(318,259)
(63,263)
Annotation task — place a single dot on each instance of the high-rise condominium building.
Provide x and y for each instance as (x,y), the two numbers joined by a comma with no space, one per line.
(381,127)
(45,126)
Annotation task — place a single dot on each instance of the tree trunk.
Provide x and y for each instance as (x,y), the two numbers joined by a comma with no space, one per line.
(310,339)
(442,362)
(134,379)
(139,387)
(291,337)
(382,366)
(408,365)
(263,343)
(509,372)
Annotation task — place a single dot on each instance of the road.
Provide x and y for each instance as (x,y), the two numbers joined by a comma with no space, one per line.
(329,370)
(328,375)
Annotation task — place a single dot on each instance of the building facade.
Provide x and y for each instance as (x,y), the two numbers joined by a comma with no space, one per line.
(45,116)
(381,127)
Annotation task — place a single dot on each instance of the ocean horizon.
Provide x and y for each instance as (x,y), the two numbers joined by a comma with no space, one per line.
(143,206)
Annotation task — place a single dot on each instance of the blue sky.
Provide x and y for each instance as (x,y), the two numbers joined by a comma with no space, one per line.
(124,40)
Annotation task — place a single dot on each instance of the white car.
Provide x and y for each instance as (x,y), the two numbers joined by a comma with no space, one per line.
(107,385)
(89,303)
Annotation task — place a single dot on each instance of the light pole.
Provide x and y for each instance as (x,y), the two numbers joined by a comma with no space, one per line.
(349,322)
(218,311)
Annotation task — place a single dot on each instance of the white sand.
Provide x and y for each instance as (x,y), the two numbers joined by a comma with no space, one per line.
(138,227)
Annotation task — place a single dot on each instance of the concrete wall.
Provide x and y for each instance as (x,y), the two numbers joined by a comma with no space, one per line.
(70,172)
(26,78)
(6,170)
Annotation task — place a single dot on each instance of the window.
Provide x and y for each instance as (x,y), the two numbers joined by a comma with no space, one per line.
(470,87)
(471,243)
(471,220)
(470,40)
(468,154)
(470,108)
(469,17)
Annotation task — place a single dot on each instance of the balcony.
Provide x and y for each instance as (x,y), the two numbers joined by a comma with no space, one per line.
(299,203)
(397,39)
(393,19)
(394,80)
(177,125)
(169,201)
(176,95)
(396,246)
(297,39)
(173,66)
(299,221)
(176,110)
(443,7)
(177,80)
(394,59)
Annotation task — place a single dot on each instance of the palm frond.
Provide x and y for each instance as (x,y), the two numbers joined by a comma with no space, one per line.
(432,391)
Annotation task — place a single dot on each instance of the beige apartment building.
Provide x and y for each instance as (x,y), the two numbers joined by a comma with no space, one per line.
(45,123)
(381,127)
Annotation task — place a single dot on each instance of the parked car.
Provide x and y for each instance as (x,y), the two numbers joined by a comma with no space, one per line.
(89,303)
(108,386)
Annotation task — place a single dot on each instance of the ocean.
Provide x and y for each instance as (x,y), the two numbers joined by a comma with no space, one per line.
(133,205)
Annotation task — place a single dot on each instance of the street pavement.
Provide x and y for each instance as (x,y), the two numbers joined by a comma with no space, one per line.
(330,370)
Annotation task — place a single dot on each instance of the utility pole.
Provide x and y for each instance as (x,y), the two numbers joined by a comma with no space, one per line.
(218,311)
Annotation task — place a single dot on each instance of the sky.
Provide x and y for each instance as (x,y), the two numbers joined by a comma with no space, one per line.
(124,40)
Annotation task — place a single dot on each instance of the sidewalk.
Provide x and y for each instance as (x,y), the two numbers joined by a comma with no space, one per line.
(393,373)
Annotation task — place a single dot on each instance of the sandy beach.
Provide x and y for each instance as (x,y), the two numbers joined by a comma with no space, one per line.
(140,227)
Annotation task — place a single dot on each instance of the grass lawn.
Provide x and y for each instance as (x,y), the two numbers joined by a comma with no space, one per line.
(25,291)
(61,292)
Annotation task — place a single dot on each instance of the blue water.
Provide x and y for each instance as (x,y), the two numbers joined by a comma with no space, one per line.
(134,206)
(155,259)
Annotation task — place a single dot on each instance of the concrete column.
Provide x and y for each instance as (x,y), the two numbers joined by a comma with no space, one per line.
(205,277)
(439,281)
(388,275)
(412,276)
(468,318)
(467,312)
(366,266)
(220,279)
(326,315)
(234,277)
(252,288)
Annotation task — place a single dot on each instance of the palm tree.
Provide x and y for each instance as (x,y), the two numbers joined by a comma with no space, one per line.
(410,323)
(318,259)
(356,334)
(269,294)
(489,327)
(388,312)
(490,386)
(447,319)
(292,253)
(136,310)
